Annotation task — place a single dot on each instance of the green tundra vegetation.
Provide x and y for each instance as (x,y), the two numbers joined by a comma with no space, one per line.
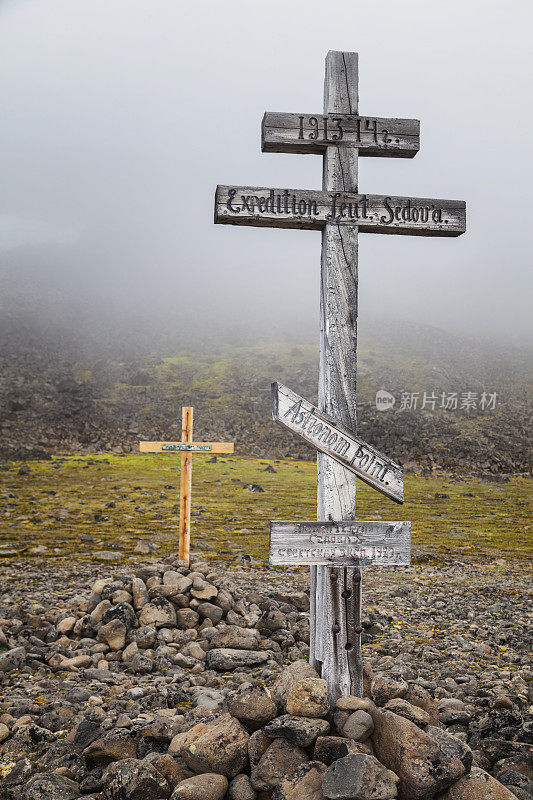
(111,506)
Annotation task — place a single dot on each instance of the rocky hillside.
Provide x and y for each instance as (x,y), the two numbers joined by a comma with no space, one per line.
(68,389)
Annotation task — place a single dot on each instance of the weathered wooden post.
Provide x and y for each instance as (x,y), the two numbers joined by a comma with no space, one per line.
(336,611)
(186,447)
(342,544)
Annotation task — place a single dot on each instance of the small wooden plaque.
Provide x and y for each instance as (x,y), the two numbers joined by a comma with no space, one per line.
(343,544)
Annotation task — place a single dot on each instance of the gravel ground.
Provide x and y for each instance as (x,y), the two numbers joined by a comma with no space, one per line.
(460,630)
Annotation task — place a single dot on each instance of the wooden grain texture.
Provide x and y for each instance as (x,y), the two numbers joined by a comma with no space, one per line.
(342,544)
(338,590)
(330,437)
(214,447)
(185,486)
(338,207)
(313,133)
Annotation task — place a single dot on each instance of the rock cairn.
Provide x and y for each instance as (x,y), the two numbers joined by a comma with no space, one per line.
(198,706)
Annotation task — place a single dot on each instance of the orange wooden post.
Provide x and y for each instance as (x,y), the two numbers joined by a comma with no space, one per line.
(185,486)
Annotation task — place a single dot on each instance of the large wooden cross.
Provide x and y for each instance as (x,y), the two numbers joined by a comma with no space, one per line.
(186,447)
(341,545)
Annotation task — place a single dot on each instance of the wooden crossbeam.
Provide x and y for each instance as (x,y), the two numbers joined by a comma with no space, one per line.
(313,133)
(310,210)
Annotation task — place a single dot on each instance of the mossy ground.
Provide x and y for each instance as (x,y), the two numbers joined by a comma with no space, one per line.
(61,504)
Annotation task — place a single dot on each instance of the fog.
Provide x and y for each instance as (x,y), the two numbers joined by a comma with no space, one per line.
(119,117)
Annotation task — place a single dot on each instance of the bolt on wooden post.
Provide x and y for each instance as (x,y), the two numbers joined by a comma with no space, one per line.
(342,544)
(186,448)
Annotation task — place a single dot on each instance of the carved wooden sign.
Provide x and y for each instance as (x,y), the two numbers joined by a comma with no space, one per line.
(349,543)
(372,213)
(313,133)
(324,433)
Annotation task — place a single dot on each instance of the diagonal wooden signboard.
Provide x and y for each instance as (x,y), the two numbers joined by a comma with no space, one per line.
(353,543)
(305,209)
(313,133)
(323,432)
(340,212)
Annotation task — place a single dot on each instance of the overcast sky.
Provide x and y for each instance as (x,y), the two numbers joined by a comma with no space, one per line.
(119,117)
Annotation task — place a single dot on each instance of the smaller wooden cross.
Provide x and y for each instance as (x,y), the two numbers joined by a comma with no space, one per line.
(186,447)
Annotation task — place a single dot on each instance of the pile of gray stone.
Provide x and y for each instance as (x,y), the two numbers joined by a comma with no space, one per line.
(169,683)
(283,743)
(172,615)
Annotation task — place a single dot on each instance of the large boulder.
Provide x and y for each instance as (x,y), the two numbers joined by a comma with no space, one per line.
(114,745)
(85,732)
(12,659)
(359,726)
(453,711)
(308,697)
(302,731)
(330,748)
(202,590)
(271,620)
(258,744)
(240,787)
(420,697)
(210,611)
(187,618)
(451,745)
(350,702)
(224,659)
(305,783)
(131,779)
(295,672)
(168,767)
(158,612)
(208,786)
(254,707)
(218,746)
(385,688)
(123,612)
(182,582)
(280,759)
(411,712)
(45,786)
(359,777)
(423,766)
(478,785)
(236,638)
(113,633)
(140,593)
